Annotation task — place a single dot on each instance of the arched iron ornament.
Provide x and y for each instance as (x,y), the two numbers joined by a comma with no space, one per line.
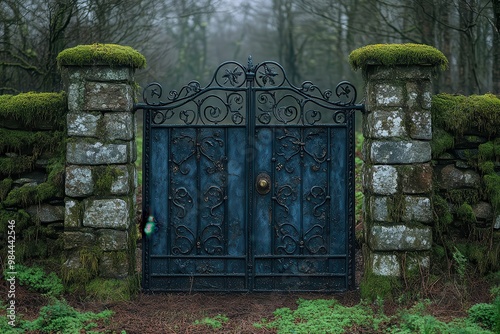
(223,99)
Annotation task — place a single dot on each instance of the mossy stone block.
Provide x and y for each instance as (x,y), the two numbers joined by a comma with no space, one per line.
(107,213)
(400,238)
(384,264)
(399,152)
(102,96)
(112,240)
(114,264)
(119,125)
(417,209)
(451,177)
(79,182)
(385,124)
(73,214)
(416,178)
(78,239)
(82,124)
(380,179)
(94,152)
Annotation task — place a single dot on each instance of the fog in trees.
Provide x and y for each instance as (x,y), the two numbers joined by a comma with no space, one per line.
(185,40)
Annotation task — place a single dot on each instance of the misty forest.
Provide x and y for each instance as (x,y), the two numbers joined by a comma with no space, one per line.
(185,40)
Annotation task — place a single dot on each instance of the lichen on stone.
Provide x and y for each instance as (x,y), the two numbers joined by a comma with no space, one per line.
(101,54)
(397,54)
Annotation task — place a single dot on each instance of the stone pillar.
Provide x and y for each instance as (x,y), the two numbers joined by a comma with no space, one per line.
(101,179)
(397,174)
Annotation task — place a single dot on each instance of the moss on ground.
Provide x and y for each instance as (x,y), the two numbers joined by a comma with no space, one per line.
(397,54)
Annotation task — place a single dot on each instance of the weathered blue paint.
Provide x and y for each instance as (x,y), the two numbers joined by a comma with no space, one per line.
(205,151)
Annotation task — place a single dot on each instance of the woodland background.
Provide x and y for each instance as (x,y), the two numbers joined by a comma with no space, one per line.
(185,40)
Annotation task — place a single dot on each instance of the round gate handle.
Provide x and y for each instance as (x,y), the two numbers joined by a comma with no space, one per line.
(263,183)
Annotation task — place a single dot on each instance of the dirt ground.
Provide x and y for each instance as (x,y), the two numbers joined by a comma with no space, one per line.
(177,312)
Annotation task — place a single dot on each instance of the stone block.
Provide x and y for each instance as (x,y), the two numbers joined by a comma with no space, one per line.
(114,265)
(100,96)
(420,126)
(416,179)
(82,124)
(101,73)
(73,214)
(119,126)
(46,213)
(379,208)
(400,237)
(451,177)
(400,152)
(385,264)
(398,72)
(121,184)
(107,213)
(385,124)
(79,181)
(112,240)
(417,209)
(388,95)
(84,152)
(381,179)
(78,239)
(483,211)
(76,91)
(497,222)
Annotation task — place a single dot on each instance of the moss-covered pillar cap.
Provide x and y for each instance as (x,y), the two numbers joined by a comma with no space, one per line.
(392,55)
(112,55)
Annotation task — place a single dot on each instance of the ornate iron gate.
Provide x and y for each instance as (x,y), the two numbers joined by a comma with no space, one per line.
(250,184)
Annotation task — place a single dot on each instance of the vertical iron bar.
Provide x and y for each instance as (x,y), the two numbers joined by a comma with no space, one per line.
(250,152)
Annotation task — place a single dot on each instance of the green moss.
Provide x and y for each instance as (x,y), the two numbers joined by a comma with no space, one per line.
(21,217)
(373,287)
(31,108)
(88,269)
(459,196)
(101,54)
(109,290)
(442,214)
(457,113)
(16,165)
(492,184)
(466,214)
(36,142)
(5,186)
(441,141)
(104,178)
(397,54)
(30,194)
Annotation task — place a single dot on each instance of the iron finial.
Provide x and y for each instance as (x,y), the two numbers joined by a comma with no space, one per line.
(250,63)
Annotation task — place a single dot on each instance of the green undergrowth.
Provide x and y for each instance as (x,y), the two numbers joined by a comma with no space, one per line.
(216,322)
(329,316)
(55,317)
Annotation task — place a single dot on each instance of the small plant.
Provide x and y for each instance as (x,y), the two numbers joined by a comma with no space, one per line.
(216,322)
(35,279)
(460,263)
(60,317)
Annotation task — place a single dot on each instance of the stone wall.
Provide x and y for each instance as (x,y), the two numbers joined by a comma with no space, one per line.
(32,172)
(101,176)
(397,174)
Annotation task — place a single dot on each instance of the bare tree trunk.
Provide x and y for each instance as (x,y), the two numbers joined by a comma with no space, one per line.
(496,48)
